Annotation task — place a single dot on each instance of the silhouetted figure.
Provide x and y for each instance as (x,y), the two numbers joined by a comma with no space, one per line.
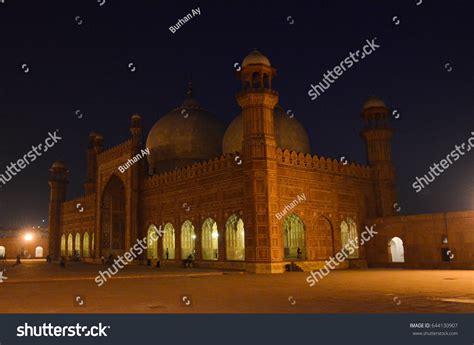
(48,258)
(299,253)
(62,263)
(167,254)
(102,259)
(18,261)
(189,261)
(158,264)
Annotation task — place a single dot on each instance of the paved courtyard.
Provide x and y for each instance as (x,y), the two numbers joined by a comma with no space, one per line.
(38,287)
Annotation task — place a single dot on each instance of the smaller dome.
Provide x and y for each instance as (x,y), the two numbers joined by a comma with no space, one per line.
(256,58)
(373,102)
(289,133)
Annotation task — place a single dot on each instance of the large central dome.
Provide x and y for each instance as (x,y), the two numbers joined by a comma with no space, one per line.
(187,134)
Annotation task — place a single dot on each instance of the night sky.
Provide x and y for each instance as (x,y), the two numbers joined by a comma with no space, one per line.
(85,67)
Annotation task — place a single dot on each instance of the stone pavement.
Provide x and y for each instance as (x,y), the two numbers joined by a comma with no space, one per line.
(38,287)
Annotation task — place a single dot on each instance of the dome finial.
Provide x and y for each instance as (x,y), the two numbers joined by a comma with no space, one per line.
(190,89)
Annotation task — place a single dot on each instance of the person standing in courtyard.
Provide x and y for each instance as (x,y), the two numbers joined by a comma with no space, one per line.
(63,262)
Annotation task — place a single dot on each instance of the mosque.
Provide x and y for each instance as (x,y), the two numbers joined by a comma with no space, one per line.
(216,192)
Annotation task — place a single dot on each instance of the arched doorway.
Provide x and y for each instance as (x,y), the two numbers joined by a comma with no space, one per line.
(112,237)
(210,240)
(349,238)
(188,240)
(2,252)
(152,242)
(396,250)
(69,245)
(63,245)
(293,237)
(77,245)
(169,242)
(85,245)
(38,252)
(235,239)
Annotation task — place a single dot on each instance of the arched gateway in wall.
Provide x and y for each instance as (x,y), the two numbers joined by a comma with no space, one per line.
(396,250)
(112,236)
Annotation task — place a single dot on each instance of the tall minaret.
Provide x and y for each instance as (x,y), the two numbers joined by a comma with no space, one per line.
(93,149)
(137,174)
(263,238)
(57,183)
(378,135)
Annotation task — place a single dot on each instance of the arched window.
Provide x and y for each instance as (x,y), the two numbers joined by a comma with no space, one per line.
(169,242)
(63,245)
(70,245)
(235,238)
(2,252)
(293,237)
(266,81)
(256,80)
(396,250)
(93,245)
(188,239)
(210,240)
(38,252)
(77,245)
(349,238)
(152,242)
(85,246)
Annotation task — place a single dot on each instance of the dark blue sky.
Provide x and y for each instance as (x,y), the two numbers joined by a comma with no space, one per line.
(85,67)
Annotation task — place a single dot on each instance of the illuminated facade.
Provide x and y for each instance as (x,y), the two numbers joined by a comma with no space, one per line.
(217,192)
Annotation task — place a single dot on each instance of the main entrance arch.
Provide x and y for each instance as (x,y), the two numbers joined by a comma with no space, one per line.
(112,236)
